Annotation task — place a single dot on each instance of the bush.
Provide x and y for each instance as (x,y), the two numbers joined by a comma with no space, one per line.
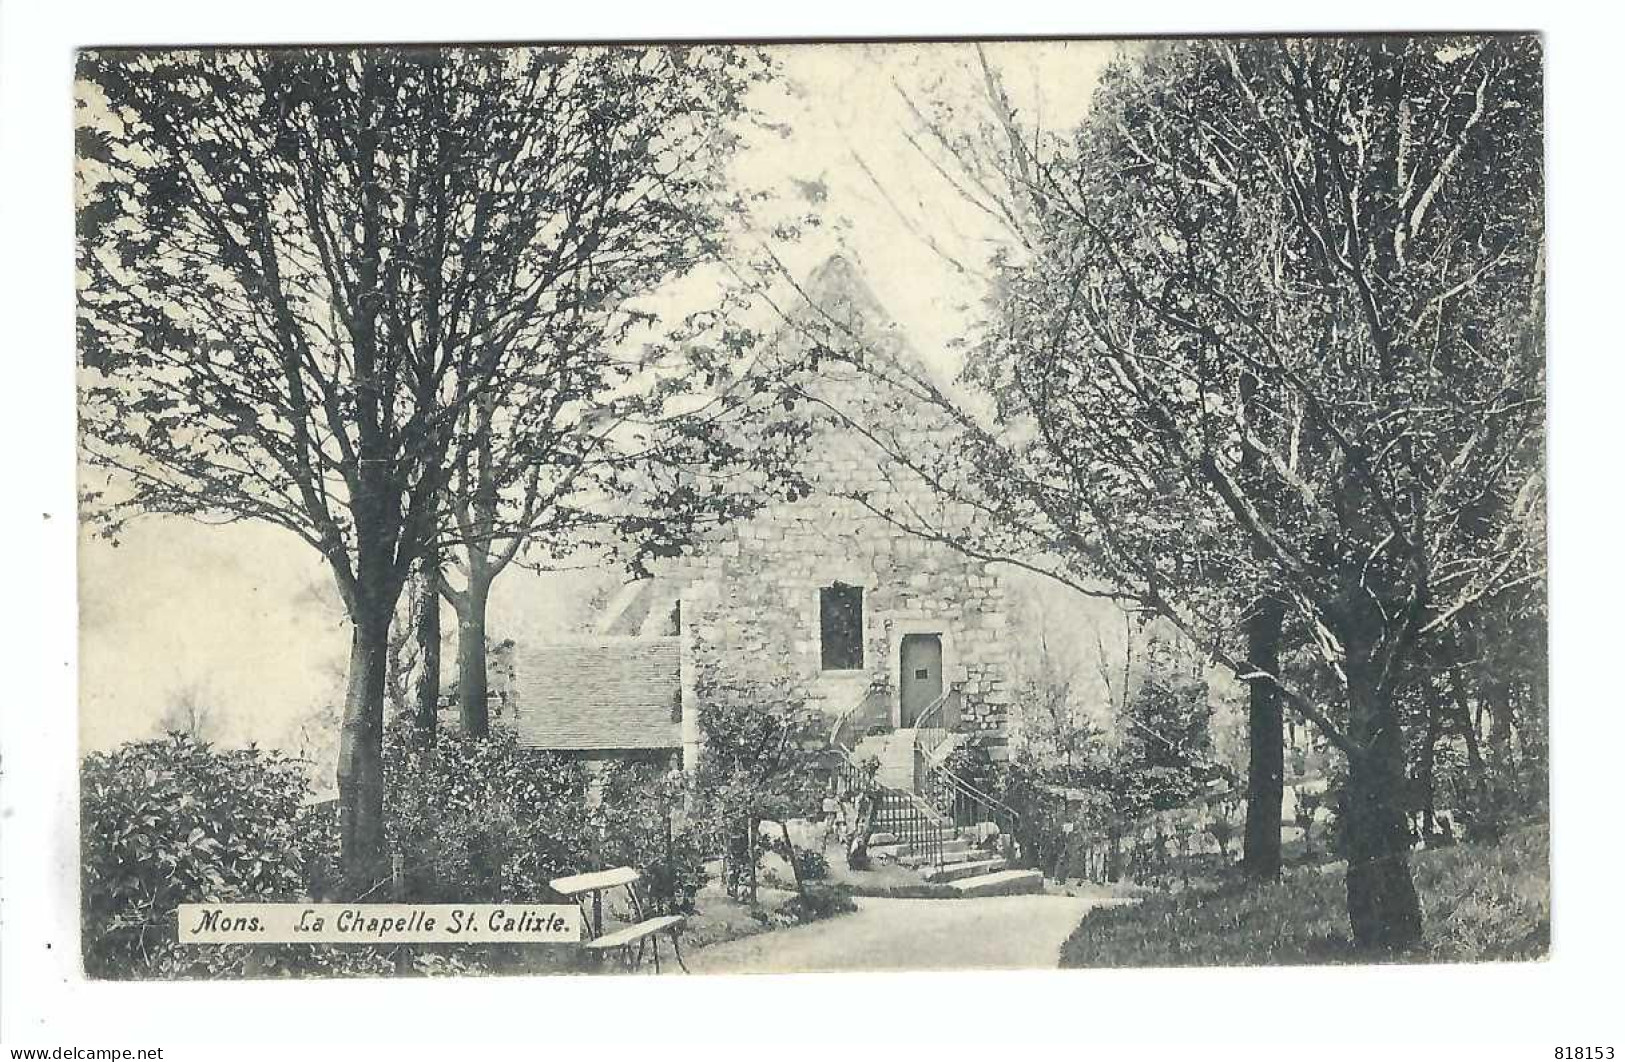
(481,819)
(811,864)
(640,823)
(765,760)
(814,904)
(177,821)
(173,821)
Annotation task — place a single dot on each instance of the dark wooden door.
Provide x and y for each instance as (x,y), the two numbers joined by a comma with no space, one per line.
(921,680)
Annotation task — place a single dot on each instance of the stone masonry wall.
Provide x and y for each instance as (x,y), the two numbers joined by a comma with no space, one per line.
(750,596)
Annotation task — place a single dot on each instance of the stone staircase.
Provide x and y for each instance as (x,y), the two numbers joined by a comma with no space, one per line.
(956,859)
(895,751)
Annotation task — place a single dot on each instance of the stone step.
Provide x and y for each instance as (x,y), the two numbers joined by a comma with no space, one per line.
(1001,883)
(969,869)
(949,840)
(950,846)
(963,855)
(901,822)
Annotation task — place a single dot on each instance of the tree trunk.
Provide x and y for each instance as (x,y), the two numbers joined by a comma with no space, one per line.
(1483,820)
(426,694)
(473,679)
(1425,773)
(790,852)
(750,854)
(1266,764)
(1384,912)
(1503,765)
(361,750)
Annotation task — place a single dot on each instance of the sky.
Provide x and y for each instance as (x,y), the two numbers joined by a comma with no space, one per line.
(245,619)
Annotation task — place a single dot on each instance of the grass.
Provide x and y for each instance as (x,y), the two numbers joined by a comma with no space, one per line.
(1479,904)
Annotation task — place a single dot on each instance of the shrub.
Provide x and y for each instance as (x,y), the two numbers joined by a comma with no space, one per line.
(639,822)
(173,821)
(481,819)
(764,761)
(814,904)
(811,864)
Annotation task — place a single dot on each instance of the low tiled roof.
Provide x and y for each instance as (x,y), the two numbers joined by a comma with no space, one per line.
(604,692)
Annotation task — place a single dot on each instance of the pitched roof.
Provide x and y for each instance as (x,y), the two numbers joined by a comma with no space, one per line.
(835,303)
(604,692)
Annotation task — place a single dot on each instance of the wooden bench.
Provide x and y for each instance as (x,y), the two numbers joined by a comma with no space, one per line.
(644,932)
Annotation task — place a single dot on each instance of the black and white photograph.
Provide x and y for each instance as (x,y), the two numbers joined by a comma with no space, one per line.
(725,507)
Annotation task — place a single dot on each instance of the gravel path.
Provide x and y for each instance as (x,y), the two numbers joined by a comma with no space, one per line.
(996,932)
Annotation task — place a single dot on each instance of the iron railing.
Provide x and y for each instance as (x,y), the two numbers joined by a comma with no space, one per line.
(938,721)
(917,827)
(1150,846)
(957,799)
(873,709)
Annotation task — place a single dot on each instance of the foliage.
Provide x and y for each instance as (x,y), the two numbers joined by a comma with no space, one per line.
(173,821)
(481,819)
(332,289)
(810,863)
(640,822)
(1165,756)
(764,761)
(1031,791)
(1480,904)
(814,904)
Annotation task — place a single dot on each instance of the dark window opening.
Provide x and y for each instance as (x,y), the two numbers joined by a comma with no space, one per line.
(840,622)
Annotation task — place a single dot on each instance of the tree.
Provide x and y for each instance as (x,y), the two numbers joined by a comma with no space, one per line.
(592,443)
(1350,230)
(191,711)
(993,157)
(764,761)
(307,274)
(1165,755)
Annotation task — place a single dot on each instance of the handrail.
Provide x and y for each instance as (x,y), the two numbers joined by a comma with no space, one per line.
(959,798)
(912,821)
(933,708)
(953,694)
(935,724)
(843,733)
(970,789)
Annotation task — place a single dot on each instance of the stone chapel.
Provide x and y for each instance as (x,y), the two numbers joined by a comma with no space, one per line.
(882,629)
